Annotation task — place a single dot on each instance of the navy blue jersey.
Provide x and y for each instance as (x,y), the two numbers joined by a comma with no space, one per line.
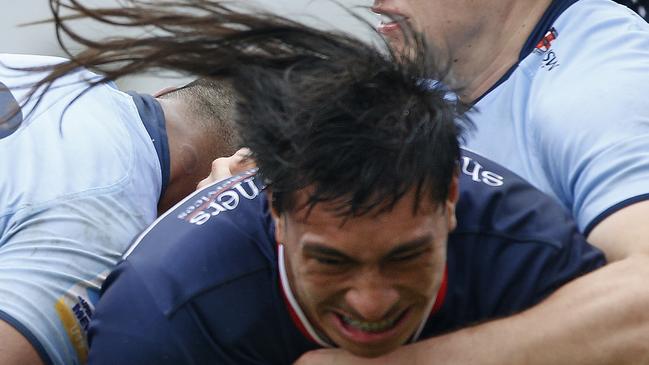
(204,284)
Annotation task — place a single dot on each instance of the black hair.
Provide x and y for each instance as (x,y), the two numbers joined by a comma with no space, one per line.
(354,122)
(210,103)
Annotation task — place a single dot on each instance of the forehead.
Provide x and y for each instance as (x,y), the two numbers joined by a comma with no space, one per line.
(321,225)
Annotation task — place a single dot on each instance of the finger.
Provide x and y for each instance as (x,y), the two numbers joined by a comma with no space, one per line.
(203,183)
(241,161)
(220,171)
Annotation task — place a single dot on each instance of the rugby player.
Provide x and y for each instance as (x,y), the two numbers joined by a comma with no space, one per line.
(78,181)
(243,274)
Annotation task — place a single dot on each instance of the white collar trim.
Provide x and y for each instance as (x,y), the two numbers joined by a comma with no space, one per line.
(286,287)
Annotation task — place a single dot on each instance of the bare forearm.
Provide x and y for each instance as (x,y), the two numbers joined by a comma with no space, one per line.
(601,318)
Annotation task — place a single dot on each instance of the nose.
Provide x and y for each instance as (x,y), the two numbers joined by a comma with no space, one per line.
(372,297)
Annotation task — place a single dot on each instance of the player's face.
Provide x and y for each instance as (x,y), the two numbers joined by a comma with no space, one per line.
(445,23)
(367,282)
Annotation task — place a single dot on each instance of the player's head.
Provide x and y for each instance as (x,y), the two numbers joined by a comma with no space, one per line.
(360,161)
(199,125)
(358,153)
(208,107)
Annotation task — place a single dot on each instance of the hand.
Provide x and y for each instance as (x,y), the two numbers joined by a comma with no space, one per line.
(224,167)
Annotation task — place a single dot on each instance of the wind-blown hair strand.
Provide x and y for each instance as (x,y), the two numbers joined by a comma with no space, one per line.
(317,108)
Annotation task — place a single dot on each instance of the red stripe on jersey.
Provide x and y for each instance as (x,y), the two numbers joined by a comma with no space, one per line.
(296,319)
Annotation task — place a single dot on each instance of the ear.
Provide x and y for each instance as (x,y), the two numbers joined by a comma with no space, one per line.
(451,202)
(279,223)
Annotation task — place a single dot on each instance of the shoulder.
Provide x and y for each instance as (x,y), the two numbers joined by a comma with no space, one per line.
(72,127)
(218,234)
(20,71)
(598,20)
(512,247)
(588,115)
(599,61)
(204,275)
(9,61)
(494,200)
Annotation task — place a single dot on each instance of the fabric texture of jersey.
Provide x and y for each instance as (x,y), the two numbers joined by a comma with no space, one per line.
(202,285)
(76,186)
(574,110)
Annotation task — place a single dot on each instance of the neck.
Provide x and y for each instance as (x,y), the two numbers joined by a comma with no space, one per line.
(187,165)
(479,62)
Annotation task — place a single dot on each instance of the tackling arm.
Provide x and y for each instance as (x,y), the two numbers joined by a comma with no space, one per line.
(600,318)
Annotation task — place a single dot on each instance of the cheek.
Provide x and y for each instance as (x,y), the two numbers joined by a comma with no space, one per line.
(314,288)
(421,280)
(424,277)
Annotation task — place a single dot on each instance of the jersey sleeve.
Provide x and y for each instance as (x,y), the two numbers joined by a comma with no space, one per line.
(194,285)
(592,125)
(56,266)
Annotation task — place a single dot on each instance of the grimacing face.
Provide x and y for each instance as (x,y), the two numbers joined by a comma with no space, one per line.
(368,282)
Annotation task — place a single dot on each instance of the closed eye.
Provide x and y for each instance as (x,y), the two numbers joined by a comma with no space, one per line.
(406,257)
(328,256)
(331,261)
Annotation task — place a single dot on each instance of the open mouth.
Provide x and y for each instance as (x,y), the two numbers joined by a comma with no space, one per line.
(389,22)
(364,331)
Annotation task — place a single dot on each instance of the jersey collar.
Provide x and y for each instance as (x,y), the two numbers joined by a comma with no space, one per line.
(542,27)
(307,329)
(153,118)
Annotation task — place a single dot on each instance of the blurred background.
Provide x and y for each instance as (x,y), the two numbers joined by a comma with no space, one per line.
(40,39)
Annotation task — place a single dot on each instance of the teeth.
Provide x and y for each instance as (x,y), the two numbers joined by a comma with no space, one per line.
(370,326)
(386,19)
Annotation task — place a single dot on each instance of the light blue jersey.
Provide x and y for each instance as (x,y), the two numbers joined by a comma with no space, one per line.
(75,188)
(573,116)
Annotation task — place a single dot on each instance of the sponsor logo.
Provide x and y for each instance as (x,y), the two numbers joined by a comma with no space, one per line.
(550,60)
(478,173)
(75,309)
(222,198)
(545,44)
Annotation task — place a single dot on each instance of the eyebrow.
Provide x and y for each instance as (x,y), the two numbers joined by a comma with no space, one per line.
(403,248)
(410,246)
(322,250)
